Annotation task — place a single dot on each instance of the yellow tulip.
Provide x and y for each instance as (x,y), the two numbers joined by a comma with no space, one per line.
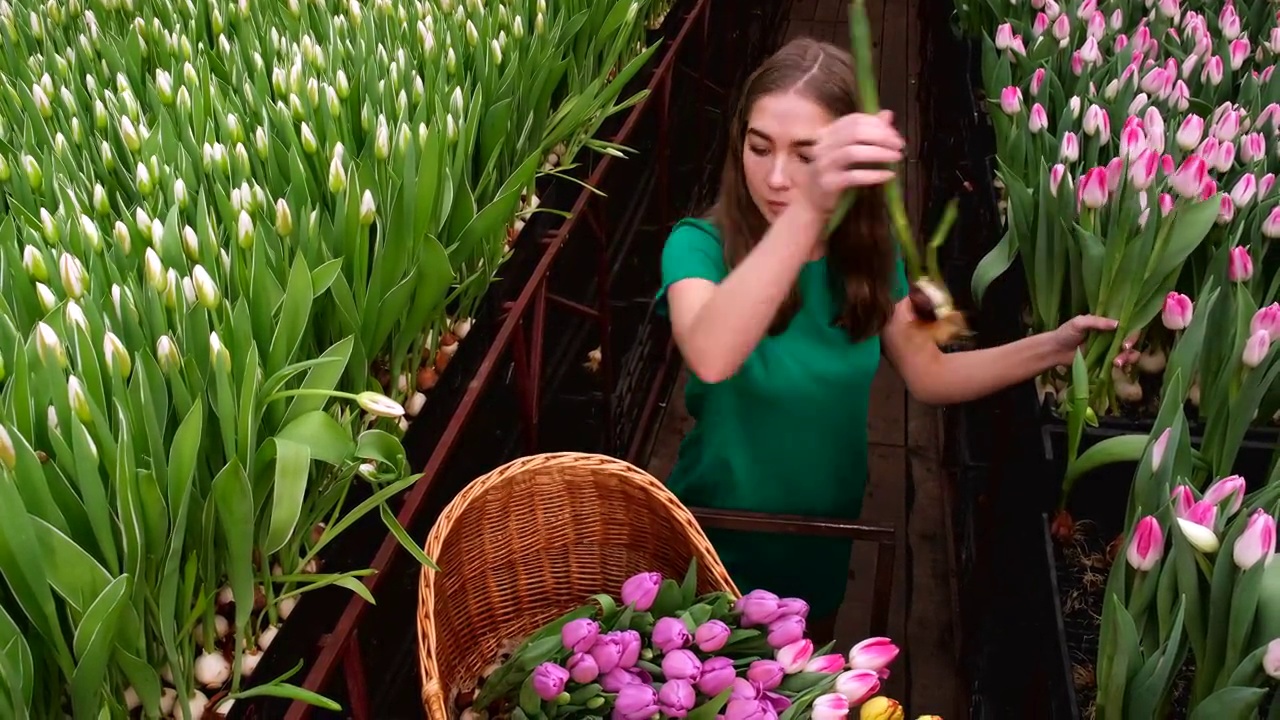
(881,708)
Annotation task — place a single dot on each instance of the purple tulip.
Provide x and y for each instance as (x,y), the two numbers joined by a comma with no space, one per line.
(793,606)
(631,647)
(635,702)
(582,668)
(676,698)
(670,634)
(779,702)
(579,635)
(717,674)
(711,636)
(758,607)
(607,652)
(641,590)
(786,630)
(682,665)
(767,673)
(616,679)
(548,680)
(746,689)
(747,709)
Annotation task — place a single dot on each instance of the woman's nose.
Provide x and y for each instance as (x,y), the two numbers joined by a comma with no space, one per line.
(778,176)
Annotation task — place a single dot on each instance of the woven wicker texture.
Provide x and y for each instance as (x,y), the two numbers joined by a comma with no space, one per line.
(531,541)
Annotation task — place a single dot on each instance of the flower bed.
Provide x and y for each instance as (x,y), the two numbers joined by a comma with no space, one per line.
(225,227)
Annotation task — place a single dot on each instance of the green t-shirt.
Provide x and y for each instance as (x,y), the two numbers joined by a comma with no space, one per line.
(786,434)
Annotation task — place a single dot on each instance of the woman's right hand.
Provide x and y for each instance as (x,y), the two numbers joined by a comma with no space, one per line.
(844,151)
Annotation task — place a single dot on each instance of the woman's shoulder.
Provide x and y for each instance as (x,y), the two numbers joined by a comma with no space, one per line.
(695,228)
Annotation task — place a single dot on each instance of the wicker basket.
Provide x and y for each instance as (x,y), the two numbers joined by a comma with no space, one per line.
(531,541)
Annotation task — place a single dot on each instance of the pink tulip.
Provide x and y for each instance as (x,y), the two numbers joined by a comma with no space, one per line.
(857,686)
(1225,157)
(641,590)
(1171,9)
(1089,51)
(832,706)
(549,680)
(1183,500)
(1132,140)
(1227,126)
(1156,82)
(1004,36)
(717,675)
(1245,190)
(785,630)
(795,656)
(1146,547)
(1253,147)
(832,663)
(1038,119)
(1267,318)
(1115,174)
(1265,183)
(1240,265)
(793,606)
(676,698)
(682,664)
(1166,204)
(1037,81)
(670,634)
(1097,122)
(1176,313)
(1237,52)
(1166,164)
(1040,24)
(1190,177)
(768,674)
(579,635)
(1056,173)
(1070,147)
(1229,22)
(635,702)
(1062,29)
(1256,349)
(1139,101)
(1226,210)
(1189,132)
(1087,8)
(1230,489)
(757,709)
(1203,513)
(607,652)
(758,607)
(1011,100)
(872,654)
(711,636)
(1121,42)
(582,668)
(1097,25)
(1257,542)
(1180,98)
(1271,659)
(1093,188)
(1153,124)
(1270,228)
(1213,70)
(1116,21)
(1142,171)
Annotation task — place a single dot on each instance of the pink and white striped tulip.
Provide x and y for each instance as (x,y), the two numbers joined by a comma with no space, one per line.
(1245,190)
(1271,659)
(1139,102)
(1077,63)
(832,706)
(1093,188)
(1097,123)
(1229,489)
(1142,171)
(874,654)
(1037,120)
(1183,500)
(1115,174)
(1056,173)
(1132,141)
(832,663)
(1189,132)
(1116,21)
(1062,30)
(1190,177)
(1089,51)
(1037,81)
(1265,183)
(1153,124)
(1040,24)
(1238,52)
(1212,71)
(1070,151)
(1240,265)
(1004,36)
(1267,318)
(1203,513)
(795,656)
(1097,26)
(1180,98)
(1146,546)
(1229,22)
(1177,312)
(1227,126)
(1011,100)
(858,686)
(1256,349)
(1225,157)
(1253,147)
(1257,542)
(1226,210)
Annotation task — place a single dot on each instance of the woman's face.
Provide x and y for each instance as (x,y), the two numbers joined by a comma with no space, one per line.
(781,130)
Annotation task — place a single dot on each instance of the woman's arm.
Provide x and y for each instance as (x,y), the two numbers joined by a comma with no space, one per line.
(716,326)
(939,378)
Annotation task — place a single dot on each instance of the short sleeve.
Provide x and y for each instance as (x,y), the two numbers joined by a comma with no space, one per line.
(900,285)
(693,250)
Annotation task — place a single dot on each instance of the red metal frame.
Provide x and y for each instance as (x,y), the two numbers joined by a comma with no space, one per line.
(340,649)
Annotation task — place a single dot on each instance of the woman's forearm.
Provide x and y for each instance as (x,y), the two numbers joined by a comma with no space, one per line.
(965,376)
(730,322)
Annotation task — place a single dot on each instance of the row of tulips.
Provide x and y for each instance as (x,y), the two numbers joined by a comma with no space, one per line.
(659,649)
(1136,152)
(238,240)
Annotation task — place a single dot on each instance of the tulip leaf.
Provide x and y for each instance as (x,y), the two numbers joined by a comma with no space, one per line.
(801,681)
(15,656)
(689,587)
(295,310)
(1188,228)
(1152,685)
(1243,607)
(288,692)
(668,602)
(709,709)
(993,265)
(401,536)
(1123,659)
(383,447)
(1184,564)
(1249,673)
(321,435)
(293,465)
(1109,451)
(1230,703)
(321,377)
(233,498)
(94,638)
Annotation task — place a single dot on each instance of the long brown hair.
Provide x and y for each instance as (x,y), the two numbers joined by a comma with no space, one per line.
(860,254)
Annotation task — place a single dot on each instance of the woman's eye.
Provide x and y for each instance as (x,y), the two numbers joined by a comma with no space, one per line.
(804,158)
(758,150)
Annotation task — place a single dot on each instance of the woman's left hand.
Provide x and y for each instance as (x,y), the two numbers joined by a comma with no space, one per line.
(1073,334)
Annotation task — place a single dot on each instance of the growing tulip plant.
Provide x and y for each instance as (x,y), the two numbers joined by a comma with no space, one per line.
(231,232)
(661,649)
(1133,144)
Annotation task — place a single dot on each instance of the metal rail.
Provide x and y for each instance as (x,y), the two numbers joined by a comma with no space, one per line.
(340,649)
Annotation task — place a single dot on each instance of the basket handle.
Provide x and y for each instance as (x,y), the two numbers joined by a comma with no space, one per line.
(433,694)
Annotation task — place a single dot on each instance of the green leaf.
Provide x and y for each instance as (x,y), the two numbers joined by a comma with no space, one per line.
(1230,703)
(233,498)
(94,638)
(389,519)
(689,588)
(288,692)
(321,435)
(288,492)
(295,310)
(322,377)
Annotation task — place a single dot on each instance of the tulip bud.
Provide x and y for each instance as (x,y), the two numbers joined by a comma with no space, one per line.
(1011,100)
(76,397)
(1177,311)
(795,656)
(1094,188)
(309,144)
(881,708)
(48,301)
(1240,265)
(379,405)
(31,168)
(1256,349)
(1146,546)
(8,453)
(72,274)
(154,271)
(367,208)
(1200,537)
(115,354)
(857,686)
(205,289)
(1037,120)
(1190,177)
(33,263)
(337,175)
(49,347)
(244,231)
(1257,542)
(218,354)
(873,654)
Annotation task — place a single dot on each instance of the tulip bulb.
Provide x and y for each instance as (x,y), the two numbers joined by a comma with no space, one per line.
(212,670)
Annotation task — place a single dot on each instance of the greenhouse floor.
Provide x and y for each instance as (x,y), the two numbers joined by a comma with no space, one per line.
(909,487)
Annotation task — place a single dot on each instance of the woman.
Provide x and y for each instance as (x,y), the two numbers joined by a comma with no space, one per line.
(782,329)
